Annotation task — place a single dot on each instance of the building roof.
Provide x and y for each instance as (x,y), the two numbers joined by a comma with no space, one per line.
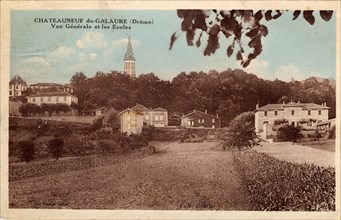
(292,104)
(128,109)
(17,80)
(50,94)
(46,84)
(129,54)
(200,112)
(160,109)
(139,108)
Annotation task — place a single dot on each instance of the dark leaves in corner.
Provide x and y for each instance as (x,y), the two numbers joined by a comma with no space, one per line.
(212,45)
(268,15)
(309,17)
(296,14)
(326,15)
(173,39)
(230,50)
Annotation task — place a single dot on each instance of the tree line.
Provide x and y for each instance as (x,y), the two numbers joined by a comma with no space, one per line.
(227,93)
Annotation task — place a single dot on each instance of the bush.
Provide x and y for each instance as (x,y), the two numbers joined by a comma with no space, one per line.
(27,150)
(331,133)
(240,133)
(275,185)
(289,133)
(55,147)
(280,122)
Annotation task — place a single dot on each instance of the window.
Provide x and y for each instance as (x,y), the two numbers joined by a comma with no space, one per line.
(10,92)
(212,120)
(41,99)
(275,113)
(189,122)
(57,99)
(202,120)
(319,112)
(199,120)
(16,87)
(49,99)
(309,112)
(265,113)
(128,126)
(34,100)
(161,117)
(156,117)
(292,112)
(64,98)
(147,117)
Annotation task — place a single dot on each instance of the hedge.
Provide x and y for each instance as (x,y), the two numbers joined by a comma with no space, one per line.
(275,185)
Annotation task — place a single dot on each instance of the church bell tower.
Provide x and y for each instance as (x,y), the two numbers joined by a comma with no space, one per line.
(129,61)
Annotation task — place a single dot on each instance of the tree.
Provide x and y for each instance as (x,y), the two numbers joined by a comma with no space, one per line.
(29,108)
(234,24)
(55,147)
(317,135)
(289,133)
(240,133)
(78,78)
(27,150)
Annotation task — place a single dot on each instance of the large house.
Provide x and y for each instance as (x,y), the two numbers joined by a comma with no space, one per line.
(157,117)
(200,119)
(307,115)
(16,86)
(52,98)
(51,87)
(131,121)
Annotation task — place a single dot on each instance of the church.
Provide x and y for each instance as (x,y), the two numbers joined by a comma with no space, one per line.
(129,61)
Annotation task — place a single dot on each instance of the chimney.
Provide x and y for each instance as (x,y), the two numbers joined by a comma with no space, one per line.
(257,105)
(205,111)
(325,103)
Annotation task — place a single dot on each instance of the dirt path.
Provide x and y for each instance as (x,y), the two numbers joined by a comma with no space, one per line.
(179,176)
(298,153)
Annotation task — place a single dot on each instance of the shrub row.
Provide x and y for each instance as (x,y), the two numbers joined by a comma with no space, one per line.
(275,185)
(179,134)
(24,171)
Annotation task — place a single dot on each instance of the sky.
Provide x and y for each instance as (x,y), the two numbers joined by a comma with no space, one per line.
(40,53)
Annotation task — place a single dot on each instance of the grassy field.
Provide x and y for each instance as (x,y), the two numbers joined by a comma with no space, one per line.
(179,176)
(326,145)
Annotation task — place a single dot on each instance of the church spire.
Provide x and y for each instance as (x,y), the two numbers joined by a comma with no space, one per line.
(129,54)
(129,61)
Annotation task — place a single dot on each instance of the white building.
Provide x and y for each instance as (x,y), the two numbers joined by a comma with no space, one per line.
(307,115)
(52,98)
(16,86)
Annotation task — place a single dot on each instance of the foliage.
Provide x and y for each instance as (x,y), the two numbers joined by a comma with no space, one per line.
(317,135)
(289,133)
(236,25)
(29,108)
(275,185)
(280,122)
(241,132)
(227,93)
(27,150)
(78,78)
(331,133)
(55,147)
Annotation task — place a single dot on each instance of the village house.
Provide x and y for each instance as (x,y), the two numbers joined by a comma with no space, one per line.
(157,117)
(307,115)
(131,121)
(200,119)
(52,98)
(87,111)
(17,86)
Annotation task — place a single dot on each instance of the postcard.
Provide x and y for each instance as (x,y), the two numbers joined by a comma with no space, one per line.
(170,110)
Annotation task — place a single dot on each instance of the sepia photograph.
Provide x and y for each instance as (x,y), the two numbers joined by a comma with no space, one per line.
(219,109)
